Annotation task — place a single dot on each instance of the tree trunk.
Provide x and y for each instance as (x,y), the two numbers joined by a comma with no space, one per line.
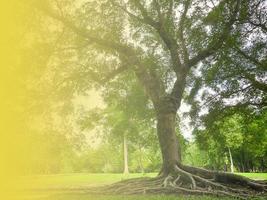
(141,159)
(168,141)
(125,155)
(231,160)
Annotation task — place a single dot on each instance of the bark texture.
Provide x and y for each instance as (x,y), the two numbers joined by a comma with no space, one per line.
(168,141)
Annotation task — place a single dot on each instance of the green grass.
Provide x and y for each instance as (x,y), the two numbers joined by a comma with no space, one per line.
(79,180)
(256,176)
(63,187)
(119,197)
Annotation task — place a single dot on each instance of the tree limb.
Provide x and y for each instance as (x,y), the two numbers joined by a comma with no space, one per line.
(127,55)
(260,25)
(114,73)
(250,58)
(218,42)
(83,32)
(256,84)
(181,32)
(169,40)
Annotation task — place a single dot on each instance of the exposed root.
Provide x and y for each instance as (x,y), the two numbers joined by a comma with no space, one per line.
(176,181)
(193,181)
(167,180)
(227,178)
(187,176)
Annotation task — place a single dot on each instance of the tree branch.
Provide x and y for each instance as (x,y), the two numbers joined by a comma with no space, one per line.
(181,32)
(157,5)
(250,58)
(129,13)
(114,73)
(170,10)
(215,45)
(83,32)
(152,84)
(145,14)
(260,25)
(127,55)
(166,37)
(256,84)
(223,95)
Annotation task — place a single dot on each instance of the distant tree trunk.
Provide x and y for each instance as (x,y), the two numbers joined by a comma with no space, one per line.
(262,167)
(242,160)
(125,155)
(231,160)
(141,159)
(243,168)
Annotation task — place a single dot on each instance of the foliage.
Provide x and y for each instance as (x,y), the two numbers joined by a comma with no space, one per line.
(195,156)
(244,134)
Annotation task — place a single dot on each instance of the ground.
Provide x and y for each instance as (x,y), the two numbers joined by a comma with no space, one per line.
(73,187)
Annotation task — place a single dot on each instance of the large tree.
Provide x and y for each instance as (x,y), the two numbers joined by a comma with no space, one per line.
(163,42)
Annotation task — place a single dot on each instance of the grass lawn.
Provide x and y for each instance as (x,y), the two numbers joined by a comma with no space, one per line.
(72,187)
(79,180)
(256,176)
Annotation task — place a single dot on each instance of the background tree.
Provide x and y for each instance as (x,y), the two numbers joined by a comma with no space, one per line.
(127,114)
(245,134)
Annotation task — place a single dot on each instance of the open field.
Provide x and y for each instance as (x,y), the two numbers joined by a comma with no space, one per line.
(73,187)
(256,176)
(79,180)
